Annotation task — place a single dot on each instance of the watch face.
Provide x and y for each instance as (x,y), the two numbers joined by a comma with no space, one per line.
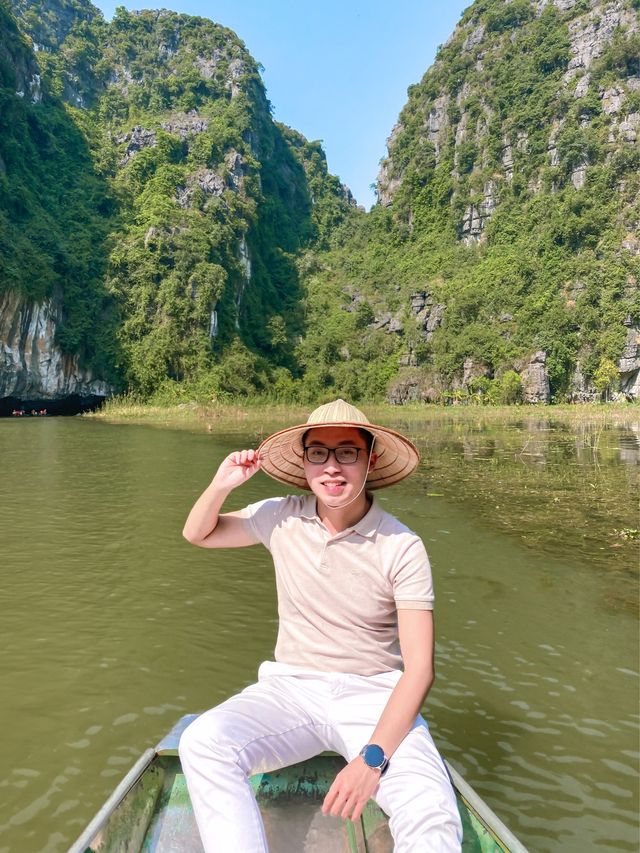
(373,755)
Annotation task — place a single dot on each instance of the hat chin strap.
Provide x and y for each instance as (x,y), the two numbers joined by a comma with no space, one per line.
(364,482)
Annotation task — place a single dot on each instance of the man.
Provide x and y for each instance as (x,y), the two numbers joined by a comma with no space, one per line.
(354,655)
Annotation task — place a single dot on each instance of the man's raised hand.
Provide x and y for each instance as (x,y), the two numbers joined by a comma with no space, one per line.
(236,469)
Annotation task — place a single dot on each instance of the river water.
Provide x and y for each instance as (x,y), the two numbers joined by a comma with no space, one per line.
(113,626)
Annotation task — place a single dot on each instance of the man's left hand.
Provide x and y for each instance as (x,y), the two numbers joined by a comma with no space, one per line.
(351,790)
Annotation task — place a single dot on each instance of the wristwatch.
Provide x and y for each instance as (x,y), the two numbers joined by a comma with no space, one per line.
(374,757)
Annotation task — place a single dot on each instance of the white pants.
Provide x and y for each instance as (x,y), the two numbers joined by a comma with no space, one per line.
(290,715)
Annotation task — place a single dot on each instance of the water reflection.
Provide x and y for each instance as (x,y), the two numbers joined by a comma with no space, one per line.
(113,626)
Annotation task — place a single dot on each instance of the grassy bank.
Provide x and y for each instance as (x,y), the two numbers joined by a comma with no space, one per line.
(259,412)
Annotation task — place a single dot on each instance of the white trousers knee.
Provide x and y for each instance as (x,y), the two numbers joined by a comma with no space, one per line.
(290,715)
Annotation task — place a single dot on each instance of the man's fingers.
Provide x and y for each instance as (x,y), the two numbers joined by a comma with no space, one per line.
(244,457)
(338,807)
(359,808)
(349,807)
(329,800)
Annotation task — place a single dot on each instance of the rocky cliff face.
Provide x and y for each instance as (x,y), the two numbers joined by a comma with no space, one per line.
(20,71)
(529,101)
(462,119)
(200,201)
(32,367)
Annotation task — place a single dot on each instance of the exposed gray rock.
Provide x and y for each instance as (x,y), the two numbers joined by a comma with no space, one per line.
(235,72)
(507,159)
(628,127)
(235,164)
(32,90)
(432,320)
(554,157)
(629,364)
(535,379)
(207,180)
(245,265)
(213,324)
(405,390)
(420,300)
(505,318)
(207,65)
(476,216)
(381,321)
(408,358)
(436,123)
(631,244)
(590,33)
(210,182)
(186,124)
(461,133)
(137,139)
(579,175)
(348,196)
(410,386)
(473,370)
(580,389)
(31,366)
(388,182)
(582,86)
(562,5)
(474,38)
(612,100)
(121,77)
(437,118)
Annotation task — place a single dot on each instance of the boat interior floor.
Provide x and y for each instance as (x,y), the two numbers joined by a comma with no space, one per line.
(292,817)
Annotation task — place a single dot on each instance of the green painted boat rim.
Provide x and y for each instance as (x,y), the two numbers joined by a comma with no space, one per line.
(168,746)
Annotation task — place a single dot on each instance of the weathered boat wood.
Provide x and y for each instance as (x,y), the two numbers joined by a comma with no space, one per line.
(150,812)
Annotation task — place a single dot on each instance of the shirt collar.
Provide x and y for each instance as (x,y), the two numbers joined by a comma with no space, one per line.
(367,526)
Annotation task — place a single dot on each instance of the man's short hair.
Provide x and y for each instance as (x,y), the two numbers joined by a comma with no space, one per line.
(368,437)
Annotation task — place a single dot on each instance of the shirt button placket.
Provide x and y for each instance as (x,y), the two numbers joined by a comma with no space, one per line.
(324,561)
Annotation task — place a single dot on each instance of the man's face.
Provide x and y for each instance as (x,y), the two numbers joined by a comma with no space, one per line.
(335,481)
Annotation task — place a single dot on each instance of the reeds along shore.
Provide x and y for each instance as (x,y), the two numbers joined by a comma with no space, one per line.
(257,410)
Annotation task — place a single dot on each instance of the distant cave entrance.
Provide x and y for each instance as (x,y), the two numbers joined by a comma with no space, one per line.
(74,404)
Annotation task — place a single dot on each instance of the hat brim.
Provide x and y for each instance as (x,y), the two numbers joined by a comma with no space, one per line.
(282,454)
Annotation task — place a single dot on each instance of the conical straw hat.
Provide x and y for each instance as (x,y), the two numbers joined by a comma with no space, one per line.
(282,453)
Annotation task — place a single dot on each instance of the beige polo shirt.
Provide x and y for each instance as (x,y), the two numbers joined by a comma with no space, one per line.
(338,596)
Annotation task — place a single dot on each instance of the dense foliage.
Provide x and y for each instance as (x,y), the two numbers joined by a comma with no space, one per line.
(55,211)
(493,129)
(197,202)
(202,249)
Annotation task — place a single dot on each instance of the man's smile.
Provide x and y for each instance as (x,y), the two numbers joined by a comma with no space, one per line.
(334,485)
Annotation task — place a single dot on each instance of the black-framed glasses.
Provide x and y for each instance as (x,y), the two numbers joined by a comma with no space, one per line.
(318,455)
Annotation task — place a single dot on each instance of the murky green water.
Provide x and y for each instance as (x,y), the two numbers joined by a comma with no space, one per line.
(113,626)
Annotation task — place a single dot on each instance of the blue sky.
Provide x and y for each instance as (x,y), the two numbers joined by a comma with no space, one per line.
(335,71)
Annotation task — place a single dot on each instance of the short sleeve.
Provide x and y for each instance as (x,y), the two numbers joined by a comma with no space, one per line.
(260,519)
(411,577)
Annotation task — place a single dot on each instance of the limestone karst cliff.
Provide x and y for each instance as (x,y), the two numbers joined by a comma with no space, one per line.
(199,200)
(31,366)
(508,215)
(165,231)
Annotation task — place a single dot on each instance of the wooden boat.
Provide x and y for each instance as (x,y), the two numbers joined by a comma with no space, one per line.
(150,811)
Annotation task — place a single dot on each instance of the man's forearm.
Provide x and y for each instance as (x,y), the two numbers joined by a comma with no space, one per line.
(203,518)
(401,710)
